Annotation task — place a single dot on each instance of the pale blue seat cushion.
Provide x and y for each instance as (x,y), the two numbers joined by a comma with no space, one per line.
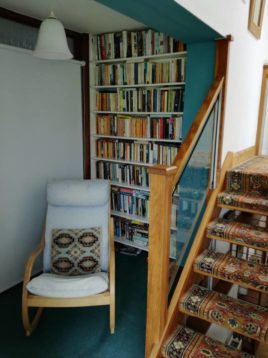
(57,286)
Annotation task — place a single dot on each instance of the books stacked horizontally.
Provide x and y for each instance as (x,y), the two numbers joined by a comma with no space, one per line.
(123,173)
(131,202)
(147,72)
(135,43)
(141,100)
(169,127)
(134,151)
(133,231)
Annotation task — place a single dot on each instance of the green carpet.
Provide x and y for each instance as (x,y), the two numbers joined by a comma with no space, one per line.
(82,332)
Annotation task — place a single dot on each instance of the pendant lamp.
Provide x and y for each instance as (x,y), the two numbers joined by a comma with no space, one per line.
(52,42)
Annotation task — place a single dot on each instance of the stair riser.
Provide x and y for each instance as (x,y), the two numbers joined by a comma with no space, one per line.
(237,242)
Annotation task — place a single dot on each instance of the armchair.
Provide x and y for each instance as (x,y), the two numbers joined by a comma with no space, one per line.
(78,230)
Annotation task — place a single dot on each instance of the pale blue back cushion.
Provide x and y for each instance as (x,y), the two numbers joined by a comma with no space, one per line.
(78,204)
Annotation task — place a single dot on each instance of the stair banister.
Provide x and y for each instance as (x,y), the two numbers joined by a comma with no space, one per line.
(162,182)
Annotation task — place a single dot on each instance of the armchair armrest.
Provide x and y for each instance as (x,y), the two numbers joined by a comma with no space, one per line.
(111,254)
(31,261)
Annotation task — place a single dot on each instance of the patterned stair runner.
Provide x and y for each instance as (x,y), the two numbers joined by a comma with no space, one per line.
(247,186)
(236,315)
(246,201)
(238,233)
(186,343)
(241,272)
(249,177)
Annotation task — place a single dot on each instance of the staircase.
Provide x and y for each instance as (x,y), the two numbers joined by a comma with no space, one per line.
(230,249)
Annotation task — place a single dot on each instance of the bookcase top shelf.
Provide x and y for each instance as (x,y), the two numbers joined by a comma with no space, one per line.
(158,114)
(142,58)
(140,139)
(169,84)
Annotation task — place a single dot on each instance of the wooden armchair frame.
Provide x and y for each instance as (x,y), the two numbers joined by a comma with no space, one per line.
(30,300)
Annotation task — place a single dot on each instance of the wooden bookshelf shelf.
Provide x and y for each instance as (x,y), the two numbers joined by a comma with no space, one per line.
(124,241)
(157,114)
(143,85)
(130,217)
(174,141)
(122,161)
(130,186)
(143,58)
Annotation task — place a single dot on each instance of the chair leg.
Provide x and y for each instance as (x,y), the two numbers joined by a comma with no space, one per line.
(28,325)
(112,316)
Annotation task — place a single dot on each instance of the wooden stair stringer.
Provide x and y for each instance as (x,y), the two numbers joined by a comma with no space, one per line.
(188,276)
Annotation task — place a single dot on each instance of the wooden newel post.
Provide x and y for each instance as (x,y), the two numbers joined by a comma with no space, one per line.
(161,178)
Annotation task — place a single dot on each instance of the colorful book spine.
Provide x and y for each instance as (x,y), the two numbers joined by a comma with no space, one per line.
(135,43)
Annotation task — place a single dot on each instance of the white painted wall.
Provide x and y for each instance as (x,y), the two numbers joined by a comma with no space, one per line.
(247,56)
(40,139)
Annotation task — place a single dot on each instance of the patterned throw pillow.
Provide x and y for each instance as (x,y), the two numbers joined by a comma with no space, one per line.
(75,251)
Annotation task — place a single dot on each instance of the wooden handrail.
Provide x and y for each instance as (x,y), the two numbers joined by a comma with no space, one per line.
(162,182)
(198,125)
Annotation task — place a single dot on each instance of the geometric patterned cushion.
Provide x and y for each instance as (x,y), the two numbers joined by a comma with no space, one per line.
(75,251)
(186,343)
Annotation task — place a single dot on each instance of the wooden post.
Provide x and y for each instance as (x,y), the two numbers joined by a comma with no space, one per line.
(221,70)
(161,178)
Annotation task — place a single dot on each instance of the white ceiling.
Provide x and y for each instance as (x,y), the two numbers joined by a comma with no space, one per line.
(78,15)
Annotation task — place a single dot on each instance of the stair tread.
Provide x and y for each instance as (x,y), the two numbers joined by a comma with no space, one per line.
(239,316)
(186,343)
(241,272)
(240,233)
(250,176)
(256,202)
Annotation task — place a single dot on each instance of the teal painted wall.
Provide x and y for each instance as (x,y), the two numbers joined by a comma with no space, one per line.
(199,78)
(166,16)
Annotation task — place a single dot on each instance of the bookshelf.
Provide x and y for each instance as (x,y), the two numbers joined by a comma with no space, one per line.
(137,81)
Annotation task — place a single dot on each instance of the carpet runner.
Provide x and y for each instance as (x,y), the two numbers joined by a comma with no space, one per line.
(248,201)
(186,343)
(236,315)
(240,272)
(249,177)
(240,233)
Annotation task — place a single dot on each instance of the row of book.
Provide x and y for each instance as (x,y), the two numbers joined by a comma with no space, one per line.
(141,100)
(143,152)
(123,173)
(135,43)
(133,231)
(131,202)
(141,127)
(140,72)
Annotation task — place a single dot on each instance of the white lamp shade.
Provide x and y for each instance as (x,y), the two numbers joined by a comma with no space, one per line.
(52,42)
